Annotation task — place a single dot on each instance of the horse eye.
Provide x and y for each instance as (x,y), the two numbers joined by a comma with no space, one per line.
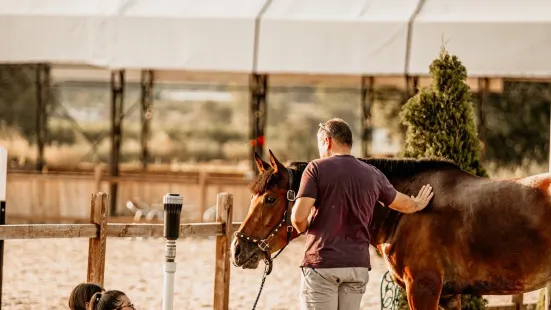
(269,200)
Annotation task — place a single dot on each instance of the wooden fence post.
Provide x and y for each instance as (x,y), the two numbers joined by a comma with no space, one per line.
(518,301)
(203,187)
(547,302)
(97,246)
(98,171)
(224,210)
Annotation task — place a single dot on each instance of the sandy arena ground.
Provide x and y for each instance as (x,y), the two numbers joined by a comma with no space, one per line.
(39,274)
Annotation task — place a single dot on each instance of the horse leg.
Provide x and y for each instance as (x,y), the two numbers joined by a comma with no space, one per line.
(423,290)
(450,302)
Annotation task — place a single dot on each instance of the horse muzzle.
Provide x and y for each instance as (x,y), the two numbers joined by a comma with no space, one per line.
(245,254)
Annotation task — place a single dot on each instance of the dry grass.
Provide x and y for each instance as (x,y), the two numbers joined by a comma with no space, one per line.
(527,168)
(165,152)
(66,155)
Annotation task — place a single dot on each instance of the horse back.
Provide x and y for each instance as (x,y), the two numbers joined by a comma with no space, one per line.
(484,234)
(540,181)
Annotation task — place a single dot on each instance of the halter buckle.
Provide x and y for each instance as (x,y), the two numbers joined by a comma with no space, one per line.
(291,195)
(263,245)
(289,228)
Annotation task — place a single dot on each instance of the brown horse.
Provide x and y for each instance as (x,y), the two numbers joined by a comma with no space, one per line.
(477,236)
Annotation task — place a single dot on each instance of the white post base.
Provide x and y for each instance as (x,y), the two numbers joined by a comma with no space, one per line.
(168,285)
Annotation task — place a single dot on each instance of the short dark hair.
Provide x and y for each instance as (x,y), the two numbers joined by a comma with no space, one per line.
(338,130)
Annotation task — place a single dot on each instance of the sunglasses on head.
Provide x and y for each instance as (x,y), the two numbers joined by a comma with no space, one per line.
(322,126)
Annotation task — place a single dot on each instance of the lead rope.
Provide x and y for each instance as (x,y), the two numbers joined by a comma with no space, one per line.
(261,286)
(267,267)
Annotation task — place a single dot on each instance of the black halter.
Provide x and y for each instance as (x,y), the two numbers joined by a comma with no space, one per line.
(264,244)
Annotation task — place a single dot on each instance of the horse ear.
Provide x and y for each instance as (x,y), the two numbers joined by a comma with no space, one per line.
(260,164)
(275,163)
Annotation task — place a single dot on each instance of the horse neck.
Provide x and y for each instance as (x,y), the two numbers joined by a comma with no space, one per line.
(385,220)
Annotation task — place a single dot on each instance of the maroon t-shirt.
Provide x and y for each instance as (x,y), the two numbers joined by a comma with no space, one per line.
(346,190)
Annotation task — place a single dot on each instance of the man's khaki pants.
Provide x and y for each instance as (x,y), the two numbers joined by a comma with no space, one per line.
(332,288)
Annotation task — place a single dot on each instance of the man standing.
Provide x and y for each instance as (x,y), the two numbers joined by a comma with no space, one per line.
(341,192)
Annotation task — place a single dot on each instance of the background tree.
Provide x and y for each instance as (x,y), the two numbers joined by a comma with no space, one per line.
(518,120)
(440,123)
(18,99)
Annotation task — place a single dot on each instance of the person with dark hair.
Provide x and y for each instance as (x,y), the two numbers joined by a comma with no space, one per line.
(334,205)
(81,294)
(110,300)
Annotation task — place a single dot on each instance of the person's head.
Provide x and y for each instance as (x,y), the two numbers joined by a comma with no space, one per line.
(334,136)
(110,300)
(81,294)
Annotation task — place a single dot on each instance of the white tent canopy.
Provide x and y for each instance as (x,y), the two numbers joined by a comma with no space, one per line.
(56,31)
(335,37)
(493,38)
(206,35)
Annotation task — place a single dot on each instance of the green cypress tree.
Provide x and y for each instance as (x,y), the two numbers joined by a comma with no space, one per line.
(440,118)
(440,123)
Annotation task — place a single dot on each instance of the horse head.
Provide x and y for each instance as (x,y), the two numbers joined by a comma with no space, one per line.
(267,227)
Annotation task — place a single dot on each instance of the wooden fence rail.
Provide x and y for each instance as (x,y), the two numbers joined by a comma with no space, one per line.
(99,230)
(48,197)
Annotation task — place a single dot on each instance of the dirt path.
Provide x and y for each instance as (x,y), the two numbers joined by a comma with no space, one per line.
(39,274)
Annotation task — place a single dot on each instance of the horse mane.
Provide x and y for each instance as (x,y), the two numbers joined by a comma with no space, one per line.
(404,167)
(390,167)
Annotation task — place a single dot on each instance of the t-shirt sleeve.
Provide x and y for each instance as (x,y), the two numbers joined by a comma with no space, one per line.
(387,192)
(309,182)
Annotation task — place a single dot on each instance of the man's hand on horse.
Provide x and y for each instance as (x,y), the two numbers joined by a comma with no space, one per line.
(423,198)
(405,204)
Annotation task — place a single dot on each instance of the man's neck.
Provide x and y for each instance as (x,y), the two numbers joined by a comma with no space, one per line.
(340,152)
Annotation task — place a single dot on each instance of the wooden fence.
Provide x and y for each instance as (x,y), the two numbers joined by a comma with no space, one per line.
(98,230)
(49,197)
(517,304)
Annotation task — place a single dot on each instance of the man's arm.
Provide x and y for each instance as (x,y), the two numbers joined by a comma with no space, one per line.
(405,204)
(306,198)
(301,212)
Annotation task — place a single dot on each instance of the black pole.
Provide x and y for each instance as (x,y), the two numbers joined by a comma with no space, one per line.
(42,100)
(3,186)
(172,204)
(258,115)
(117,107)
(368,99)
(146,100)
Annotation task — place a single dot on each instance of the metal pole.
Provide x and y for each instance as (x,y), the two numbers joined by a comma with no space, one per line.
(173,207)
(146,99)
(367,101)
(3,185)
(117,108)
(258,85)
